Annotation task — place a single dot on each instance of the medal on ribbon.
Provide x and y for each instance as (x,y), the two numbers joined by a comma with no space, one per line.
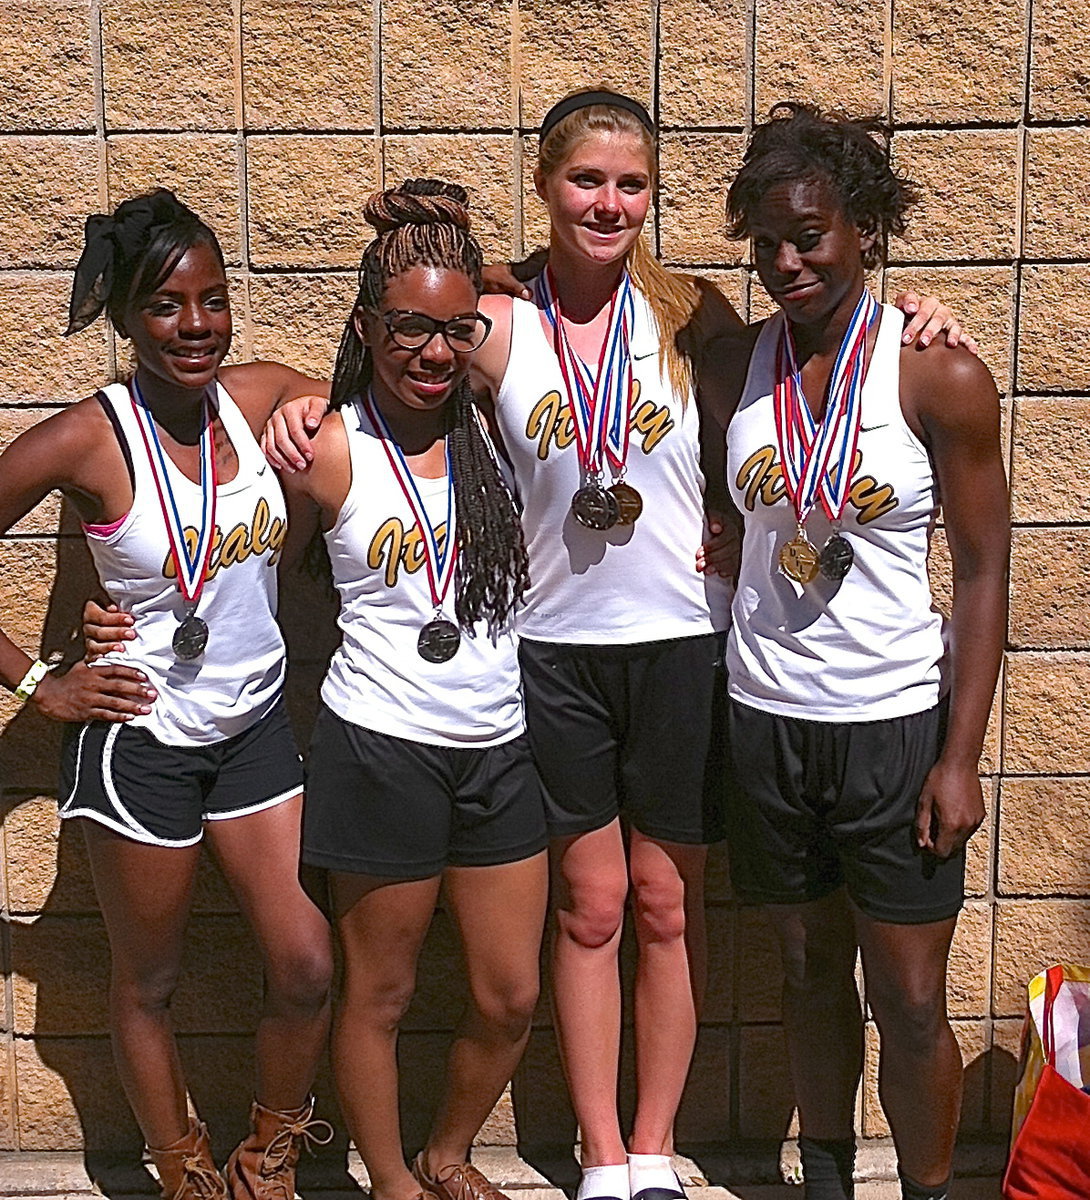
(600,403)
(439,638)
(190,561)
(817,456)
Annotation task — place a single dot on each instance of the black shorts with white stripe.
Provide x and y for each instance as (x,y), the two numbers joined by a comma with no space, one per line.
(120,776)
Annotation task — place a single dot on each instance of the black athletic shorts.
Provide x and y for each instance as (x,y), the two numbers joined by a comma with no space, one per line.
(120,776)
(629,730)
(386,806)
(814,805)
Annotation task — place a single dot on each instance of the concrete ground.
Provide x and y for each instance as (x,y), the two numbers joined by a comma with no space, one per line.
(46,1176)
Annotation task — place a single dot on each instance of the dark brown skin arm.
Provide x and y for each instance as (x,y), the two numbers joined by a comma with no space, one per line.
(74,451)
(951,402)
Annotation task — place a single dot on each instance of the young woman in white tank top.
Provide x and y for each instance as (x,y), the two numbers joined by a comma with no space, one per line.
(185,524)
(420,778)
(619,634)
(856,723)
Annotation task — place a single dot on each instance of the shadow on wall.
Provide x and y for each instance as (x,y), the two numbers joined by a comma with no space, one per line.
(67,1095)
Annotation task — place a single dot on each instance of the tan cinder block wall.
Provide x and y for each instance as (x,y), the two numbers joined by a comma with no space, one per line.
(275,119)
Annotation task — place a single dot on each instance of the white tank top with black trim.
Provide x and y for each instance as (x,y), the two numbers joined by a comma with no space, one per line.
(628,584)
(239,677)
(376,678)
(869,647)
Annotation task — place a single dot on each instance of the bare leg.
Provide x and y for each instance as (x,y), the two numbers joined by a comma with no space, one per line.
(919,1067)
(500,914)
(822,1018)
(671,975)
(144,893)
(590,882)
(382,924)
(259,855)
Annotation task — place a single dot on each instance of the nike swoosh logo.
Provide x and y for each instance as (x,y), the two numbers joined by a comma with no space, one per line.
(870,428)
(645,354)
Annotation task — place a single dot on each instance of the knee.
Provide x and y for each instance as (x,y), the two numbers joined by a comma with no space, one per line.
(509,1010)
(148,988)
(300,980)
(593,912)
(911,1016)
(659,905)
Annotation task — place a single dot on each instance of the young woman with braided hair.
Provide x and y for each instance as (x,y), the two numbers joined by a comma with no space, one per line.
(420,779)
(192,742)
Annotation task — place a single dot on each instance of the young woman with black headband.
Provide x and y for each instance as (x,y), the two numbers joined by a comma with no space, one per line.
(186,526)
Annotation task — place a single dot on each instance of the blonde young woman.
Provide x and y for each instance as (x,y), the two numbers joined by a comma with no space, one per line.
(590,377)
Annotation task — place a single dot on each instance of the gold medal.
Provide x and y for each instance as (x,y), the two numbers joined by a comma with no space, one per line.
(629,502)
(799,558)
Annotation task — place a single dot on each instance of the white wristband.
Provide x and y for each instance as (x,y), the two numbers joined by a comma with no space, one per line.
(29,683)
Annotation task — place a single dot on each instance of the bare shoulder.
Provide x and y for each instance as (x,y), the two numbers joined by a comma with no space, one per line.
(490,361)
(947,388)
(327,477)
(258,388)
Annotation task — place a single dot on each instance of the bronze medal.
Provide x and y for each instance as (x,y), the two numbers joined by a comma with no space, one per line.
(438,641)
(190,638)
(629,502)
(799,558)
(836,557)
(595,508)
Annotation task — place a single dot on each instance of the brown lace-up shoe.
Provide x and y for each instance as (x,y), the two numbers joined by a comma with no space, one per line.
(263,1166)
(186,1170)
(459,1181)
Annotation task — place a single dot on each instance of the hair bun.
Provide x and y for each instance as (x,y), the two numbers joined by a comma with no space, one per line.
(418,202)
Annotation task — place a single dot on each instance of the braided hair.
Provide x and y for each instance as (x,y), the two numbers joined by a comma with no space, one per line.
(128,254)
(425,223)
(849,156)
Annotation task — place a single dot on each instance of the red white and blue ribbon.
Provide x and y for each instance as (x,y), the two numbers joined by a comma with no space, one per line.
(600,401)
(438,559)
(818,456)
(190,562)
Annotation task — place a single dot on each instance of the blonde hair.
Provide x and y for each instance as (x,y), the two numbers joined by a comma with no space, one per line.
(673,297)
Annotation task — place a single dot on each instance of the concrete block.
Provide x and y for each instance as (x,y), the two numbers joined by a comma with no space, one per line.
(758,976)
(954,66)
(1059,85)
(140,44)
(969,185)
(1048,477)
(1047,697)
(45,518)
(306,198)
(702,62)
(48,187)
(696,168)
(1053,338)
(309,68)
(766,1098)
(1029,936)
(1057,191)
(298,319)
(969,969)
(446,65)
(560,55)
(1050,574)
(1044,845)
(46,81)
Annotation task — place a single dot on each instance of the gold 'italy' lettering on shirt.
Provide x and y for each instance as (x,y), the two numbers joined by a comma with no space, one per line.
(761,476)
(550,423)
(393,547)
(264,534)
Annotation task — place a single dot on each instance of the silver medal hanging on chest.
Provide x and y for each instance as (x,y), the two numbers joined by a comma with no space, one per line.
(190,638)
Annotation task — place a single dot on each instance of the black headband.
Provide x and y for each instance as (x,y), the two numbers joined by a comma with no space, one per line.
(570,104)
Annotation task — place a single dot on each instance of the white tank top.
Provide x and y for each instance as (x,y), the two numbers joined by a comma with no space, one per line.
(635,583)
(239,677)
(376,678)
(871,646)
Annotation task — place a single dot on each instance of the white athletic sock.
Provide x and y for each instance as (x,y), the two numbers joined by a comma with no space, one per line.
(611,1180)
(651,1171)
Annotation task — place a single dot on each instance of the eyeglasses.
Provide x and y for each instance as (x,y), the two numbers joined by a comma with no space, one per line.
(413,331)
